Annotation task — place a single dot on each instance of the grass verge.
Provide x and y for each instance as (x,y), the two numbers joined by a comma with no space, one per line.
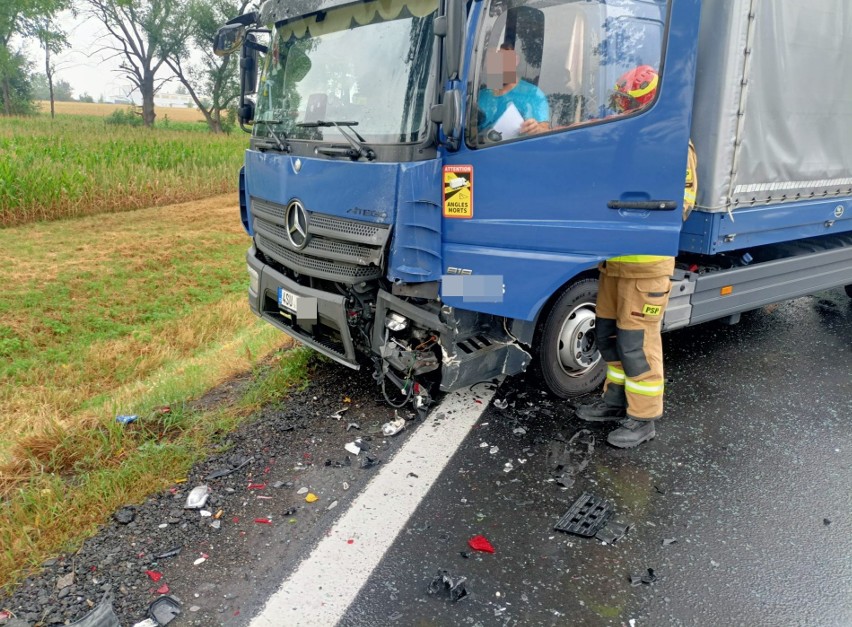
(118,314)
(52,513)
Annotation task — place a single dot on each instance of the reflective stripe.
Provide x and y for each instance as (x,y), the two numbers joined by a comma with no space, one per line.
(639,259)
(688,196)
(651,86)
(616,375)
(645,388)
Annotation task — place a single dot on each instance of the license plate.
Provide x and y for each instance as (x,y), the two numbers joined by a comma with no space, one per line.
(288,300)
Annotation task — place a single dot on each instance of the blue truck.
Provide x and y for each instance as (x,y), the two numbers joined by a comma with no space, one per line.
(392,230)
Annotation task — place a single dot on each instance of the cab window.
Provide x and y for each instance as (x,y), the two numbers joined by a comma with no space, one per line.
(547,66)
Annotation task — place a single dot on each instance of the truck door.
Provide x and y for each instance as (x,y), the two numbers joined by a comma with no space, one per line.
(591,179)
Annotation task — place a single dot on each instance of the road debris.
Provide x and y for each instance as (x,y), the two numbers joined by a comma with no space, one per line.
(591,516)
(501,403)
(170,553)
(480,543)
(332,506)
(393,427)
(263,521)
(339,413)
(64,581)
(567,459)
(646,578)
(154,575)
(126,419)
(197,497)
(669,541)
(102,616)
(456,586)
(353,425)
(311,497)
(353,448)
(369,462)
(164,610)
(125,515)
(302,491)
(224,472)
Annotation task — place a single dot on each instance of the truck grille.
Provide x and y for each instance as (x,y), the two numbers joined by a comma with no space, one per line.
(338,249)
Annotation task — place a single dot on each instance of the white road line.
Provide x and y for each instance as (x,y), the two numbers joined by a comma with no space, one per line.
(323,586)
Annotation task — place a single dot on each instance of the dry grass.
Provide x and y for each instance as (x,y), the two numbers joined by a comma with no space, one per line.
(119,313)
(94,307)
(103,110)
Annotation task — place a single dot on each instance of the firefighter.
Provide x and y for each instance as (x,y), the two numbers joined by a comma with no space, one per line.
(632,296)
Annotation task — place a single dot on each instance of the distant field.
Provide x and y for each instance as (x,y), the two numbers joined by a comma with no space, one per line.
(76,165)
(103,110)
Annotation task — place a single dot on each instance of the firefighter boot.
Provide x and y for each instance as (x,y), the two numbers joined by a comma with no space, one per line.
(599,411)
(632,433)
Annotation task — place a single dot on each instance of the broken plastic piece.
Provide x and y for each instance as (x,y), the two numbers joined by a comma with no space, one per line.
(646,578)
(369,462)
(501,403)
(393,427)
(302,491)
(311,497)
(568,459)
(218,474)
(197,497)
(668,541)
(164,610)
(339,413)
(353,448)
(586,516)
(256,486)
(154,575)
(612,532)
(170,553)
(353,425)
(263,521)
(164,589)
(480,543)
(102,616)
(126,419)
(455,586)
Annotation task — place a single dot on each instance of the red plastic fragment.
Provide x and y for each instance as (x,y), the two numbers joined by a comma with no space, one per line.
(350,541)
(478,402)
(154,575)
(256,486)
(480,543)
(236,519)
(263,521)
(164,589)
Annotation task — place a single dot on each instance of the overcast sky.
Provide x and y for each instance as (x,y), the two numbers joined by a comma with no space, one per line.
(85,65)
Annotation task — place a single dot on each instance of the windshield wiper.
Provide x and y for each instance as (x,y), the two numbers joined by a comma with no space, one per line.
(280,143)
(359,147)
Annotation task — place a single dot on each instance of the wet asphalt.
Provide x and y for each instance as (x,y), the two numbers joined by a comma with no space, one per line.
(750,475)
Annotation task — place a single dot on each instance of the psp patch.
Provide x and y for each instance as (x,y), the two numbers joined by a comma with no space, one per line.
(652,310)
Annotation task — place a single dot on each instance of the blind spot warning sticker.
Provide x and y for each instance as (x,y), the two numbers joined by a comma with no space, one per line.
(458,191)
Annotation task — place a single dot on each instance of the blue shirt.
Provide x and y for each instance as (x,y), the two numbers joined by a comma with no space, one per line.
(527,98)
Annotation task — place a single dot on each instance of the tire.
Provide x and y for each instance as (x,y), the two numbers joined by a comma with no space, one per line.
(576,368)
(848,289)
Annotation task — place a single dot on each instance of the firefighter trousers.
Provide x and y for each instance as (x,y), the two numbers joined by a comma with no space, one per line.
(632,299)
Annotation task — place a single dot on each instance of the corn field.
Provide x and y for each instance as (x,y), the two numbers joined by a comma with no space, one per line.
(79,165)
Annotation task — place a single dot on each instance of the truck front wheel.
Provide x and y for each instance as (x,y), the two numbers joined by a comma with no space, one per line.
(568,356)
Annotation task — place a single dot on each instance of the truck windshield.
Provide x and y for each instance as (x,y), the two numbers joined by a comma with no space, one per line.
(369,64)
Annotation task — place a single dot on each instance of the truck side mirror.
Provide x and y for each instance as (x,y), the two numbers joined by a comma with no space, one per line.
(228,39)
(248,65)
(448,115)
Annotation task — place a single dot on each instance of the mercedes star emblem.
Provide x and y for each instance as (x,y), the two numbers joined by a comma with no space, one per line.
(296,221)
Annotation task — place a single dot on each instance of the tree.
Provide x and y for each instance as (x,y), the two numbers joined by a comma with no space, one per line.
(214,84)
(144,33)
(52,40)
(20,18)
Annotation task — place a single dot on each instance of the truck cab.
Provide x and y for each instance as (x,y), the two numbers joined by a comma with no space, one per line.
(431,184)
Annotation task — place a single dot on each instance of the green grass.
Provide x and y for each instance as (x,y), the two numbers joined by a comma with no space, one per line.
(77,165)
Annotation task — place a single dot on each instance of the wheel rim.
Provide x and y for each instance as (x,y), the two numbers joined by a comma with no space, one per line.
(577,349)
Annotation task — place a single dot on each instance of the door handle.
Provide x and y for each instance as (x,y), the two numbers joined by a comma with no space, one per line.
(646,205)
